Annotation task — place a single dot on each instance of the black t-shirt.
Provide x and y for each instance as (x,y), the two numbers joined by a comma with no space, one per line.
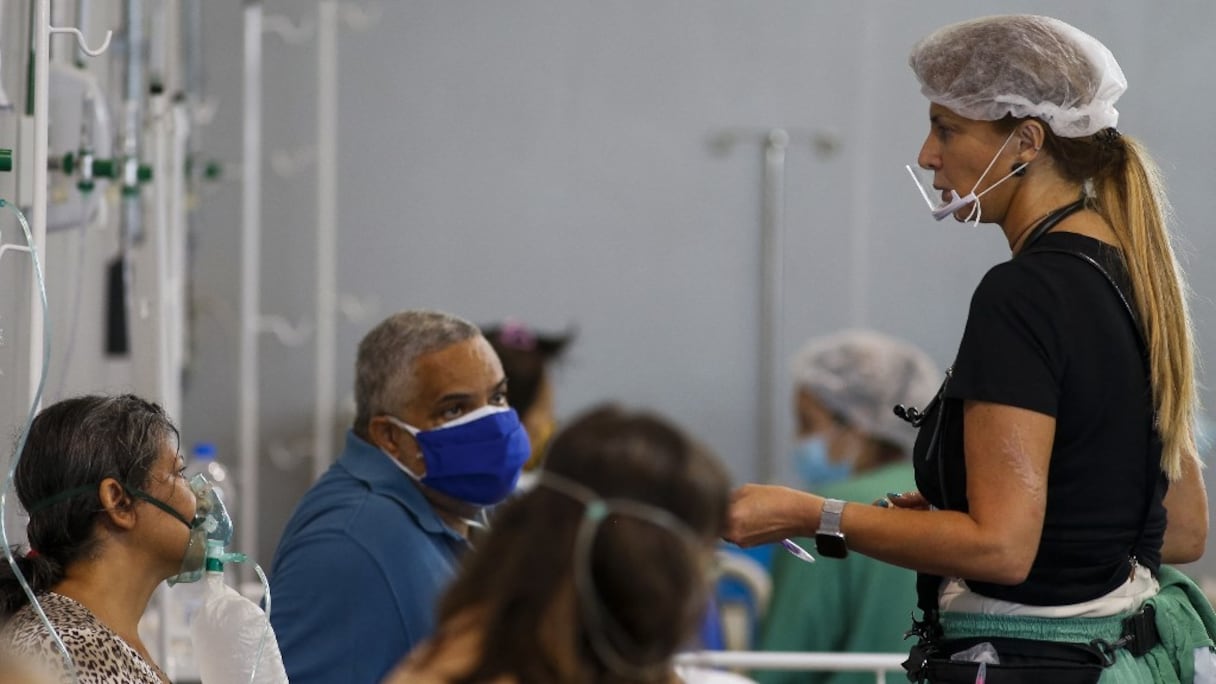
(1048,333)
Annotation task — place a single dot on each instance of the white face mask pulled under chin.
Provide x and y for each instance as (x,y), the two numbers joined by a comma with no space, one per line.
(955,202)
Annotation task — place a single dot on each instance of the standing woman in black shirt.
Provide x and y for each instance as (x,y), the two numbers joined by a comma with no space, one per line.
(1057,466)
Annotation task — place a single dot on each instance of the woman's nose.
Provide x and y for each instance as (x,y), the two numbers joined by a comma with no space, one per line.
(928,157)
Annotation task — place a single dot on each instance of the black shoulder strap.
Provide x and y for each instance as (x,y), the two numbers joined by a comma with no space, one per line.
(1151,468)
(1127,305)
(927,585)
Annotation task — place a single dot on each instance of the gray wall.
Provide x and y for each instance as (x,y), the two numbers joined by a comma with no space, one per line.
(551,161)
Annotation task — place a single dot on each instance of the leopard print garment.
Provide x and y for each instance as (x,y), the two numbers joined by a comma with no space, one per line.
(101,656)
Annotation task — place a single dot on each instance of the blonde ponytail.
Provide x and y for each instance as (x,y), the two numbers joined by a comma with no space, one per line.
(1131,198)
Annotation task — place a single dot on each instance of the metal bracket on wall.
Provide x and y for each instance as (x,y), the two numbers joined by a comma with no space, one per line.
(287,333)
(290,32)
(823,144)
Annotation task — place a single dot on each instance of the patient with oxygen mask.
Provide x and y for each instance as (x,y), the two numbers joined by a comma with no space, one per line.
(111,515)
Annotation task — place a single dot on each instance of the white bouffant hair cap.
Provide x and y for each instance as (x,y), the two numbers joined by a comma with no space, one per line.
(861,375)
(1025,66)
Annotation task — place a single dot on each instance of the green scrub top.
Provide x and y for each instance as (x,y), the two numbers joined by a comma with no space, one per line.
(856,604)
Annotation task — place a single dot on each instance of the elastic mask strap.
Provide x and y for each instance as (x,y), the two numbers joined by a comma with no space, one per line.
(976,210)
(140,494)
(483,524)
(403,425)
(82,489)
(598,507)
(60,497)
(564,485)
(469,417)
(413,432)
(989,168)
(602,627)
(599,622)
(474,416)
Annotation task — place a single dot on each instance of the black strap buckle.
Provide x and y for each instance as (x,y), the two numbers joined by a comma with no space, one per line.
(927,632)
(1140,631)
(916,664)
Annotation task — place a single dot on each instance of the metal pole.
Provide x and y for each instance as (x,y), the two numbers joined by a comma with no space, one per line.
(192,47)
(327,234)
(771,301)
(191,60)
(42,37)
(251,231)
(133,92)
(155,318)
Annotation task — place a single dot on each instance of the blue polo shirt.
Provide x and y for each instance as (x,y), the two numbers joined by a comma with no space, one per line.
(358,571)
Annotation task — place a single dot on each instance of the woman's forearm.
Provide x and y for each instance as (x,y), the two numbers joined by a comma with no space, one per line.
(1186,509)
(947,543)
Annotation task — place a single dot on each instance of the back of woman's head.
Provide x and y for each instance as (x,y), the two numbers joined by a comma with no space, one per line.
(71,445)
(605,560)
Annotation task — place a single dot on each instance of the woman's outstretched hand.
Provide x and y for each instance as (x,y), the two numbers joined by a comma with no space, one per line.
(760,514)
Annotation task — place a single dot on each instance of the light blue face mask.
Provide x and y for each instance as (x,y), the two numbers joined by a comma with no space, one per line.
(815,466)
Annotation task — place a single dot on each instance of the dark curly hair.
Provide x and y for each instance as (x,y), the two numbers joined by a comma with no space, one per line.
(75,443)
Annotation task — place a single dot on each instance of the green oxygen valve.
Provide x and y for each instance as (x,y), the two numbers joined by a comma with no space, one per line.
(90,168)
(134,174)
(213,169)
(6,159)
(217,557)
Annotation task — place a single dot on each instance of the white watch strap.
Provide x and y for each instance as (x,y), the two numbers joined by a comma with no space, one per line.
(829,518)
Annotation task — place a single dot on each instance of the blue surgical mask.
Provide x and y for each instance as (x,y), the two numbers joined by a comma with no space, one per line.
(815,466)
(475,458)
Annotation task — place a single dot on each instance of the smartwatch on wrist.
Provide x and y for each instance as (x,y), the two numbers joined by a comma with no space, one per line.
(829,540)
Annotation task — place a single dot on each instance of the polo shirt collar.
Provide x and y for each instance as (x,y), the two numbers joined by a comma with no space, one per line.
(378,471)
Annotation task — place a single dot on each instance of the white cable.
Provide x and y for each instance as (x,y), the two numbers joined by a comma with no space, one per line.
(257,660)
(25,433)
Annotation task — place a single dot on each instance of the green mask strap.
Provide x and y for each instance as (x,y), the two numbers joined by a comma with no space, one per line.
(140,494)
(60,497)
(83,489)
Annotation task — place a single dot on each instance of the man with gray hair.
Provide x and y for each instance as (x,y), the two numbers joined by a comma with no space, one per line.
(375,541)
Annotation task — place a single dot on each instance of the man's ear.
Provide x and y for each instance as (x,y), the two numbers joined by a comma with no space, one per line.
(116,503)
(386,436)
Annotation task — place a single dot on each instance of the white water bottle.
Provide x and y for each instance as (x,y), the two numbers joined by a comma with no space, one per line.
(231,635)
